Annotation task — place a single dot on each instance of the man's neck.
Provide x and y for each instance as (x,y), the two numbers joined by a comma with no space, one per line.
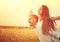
(33,26)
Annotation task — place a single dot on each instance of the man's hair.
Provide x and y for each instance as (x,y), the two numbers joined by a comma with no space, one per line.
(35,16)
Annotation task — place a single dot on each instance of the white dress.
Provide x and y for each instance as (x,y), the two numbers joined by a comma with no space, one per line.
(42,38)
(55,34)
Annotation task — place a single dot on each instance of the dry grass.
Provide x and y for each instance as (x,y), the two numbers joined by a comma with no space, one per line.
(18,35)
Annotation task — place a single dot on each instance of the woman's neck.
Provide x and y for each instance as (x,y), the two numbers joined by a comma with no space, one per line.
(44,18)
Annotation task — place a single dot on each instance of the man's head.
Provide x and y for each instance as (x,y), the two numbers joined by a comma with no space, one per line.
(33,19)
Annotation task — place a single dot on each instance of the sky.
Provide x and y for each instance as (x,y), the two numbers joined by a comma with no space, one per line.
(16,12)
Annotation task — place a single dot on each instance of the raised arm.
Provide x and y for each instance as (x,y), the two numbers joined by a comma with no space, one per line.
(55,18)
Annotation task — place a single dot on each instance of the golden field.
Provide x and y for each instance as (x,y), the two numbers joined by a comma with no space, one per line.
(18,35)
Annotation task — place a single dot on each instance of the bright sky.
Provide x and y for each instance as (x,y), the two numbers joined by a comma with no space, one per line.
(16,12)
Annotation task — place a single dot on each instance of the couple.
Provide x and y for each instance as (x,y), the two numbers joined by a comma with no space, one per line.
(44,24)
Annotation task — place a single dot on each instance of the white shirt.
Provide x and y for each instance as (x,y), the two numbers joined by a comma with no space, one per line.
(42,38)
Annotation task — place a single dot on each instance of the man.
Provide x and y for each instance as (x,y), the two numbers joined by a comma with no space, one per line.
(33,19)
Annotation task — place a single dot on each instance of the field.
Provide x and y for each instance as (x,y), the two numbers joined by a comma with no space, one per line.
(18,35)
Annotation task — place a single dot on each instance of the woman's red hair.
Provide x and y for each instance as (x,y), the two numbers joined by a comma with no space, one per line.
(48,23)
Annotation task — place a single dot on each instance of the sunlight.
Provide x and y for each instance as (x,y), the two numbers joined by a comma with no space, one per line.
(16,1)
(16,12)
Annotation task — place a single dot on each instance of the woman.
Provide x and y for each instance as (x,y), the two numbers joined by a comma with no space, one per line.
(46,24)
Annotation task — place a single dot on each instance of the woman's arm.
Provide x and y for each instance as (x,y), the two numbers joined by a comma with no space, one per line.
(55,18)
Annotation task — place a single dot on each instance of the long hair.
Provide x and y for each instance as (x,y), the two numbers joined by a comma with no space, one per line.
(48,23)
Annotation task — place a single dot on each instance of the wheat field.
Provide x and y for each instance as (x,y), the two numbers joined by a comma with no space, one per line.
(18,35)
